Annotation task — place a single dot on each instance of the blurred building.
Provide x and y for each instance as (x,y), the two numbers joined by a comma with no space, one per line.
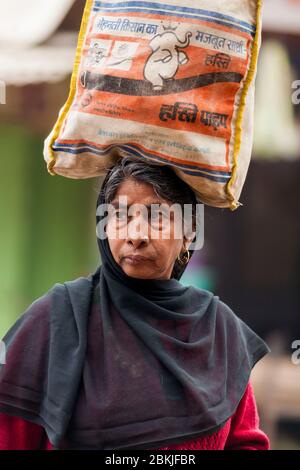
(47,231)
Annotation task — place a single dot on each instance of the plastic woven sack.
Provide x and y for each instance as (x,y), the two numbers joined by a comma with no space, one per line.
(168,82)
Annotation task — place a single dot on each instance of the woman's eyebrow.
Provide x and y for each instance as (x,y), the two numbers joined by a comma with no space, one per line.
(123,206)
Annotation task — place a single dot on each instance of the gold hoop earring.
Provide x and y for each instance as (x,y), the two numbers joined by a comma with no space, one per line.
(185,259)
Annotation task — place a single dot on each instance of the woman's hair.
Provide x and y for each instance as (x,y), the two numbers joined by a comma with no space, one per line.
(166,184)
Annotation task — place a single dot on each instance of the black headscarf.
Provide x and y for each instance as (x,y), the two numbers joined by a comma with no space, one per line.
(113,362)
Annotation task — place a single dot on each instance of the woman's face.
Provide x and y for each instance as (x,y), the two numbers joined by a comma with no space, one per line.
(127,227)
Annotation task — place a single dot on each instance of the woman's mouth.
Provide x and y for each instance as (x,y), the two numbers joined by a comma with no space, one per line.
(135,259)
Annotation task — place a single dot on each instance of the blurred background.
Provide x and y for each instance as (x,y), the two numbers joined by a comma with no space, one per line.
(250,258)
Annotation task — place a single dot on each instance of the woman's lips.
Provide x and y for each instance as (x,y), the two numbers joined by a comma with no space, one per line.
(135,259)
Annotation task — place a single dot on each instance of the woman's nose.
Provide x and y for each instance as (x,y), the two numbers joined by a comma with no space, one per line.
(137,242)
(137,233)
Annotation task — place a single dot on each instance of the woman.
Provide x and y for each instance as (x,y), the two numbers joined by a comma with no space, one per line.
(128,357)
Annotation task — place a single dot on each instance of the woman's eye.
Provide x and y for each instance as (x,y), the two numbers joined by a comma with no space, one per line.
(156,216)
(121,215)
(159,218)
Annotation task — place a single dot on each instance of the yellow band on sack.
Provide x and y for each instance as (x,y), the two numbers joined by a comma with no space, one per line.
(251,74)
(65,109)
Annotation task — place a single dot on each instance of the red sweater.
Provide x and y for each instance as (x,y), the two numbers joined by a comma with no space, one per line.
(240,432)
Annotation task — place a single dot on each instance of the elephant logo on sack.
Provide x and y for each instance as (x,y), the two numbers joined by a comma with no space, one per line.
(163,63)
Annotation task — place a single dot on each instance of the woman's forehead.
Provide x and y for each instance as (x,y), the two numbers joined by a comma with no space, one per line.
(132,192)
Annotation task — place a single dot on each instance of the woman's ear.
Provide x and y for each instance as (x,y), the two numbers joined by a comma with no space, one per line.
(186,243)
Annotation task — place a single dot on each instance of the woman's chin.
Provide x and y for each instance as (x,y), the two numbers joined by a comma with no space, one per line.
(137,272)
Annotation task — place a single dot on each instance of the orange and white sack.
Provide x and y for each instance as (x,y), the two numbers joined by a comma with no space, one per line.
(171,82)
